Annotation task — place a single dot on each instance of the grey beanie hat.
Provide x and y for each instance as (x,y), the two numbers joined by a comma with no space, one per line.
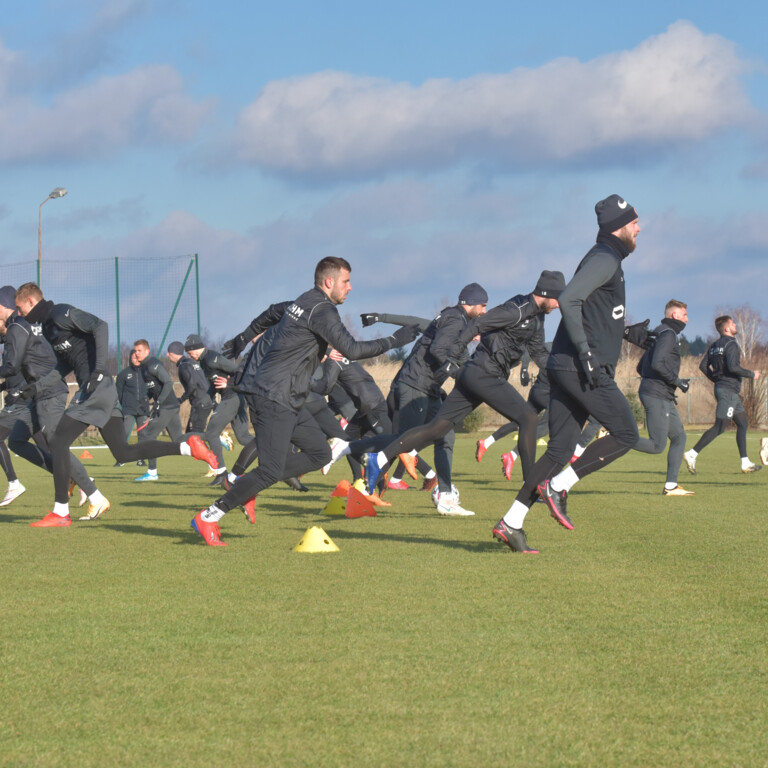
(8,296)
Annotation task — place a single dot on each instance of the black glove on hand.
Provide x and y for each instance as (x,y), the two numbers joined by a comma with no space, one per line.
(234,347)
(369,318)
(525,377)
(404,335)
(28,391)
(449,368)
(155,412)
(3,385)
(591,368)
(683,384)
(96,378)
(639,335)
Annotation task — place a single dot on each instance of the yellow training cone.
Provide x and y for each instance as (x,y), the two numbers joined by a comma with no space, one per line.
(315,539)
(336,506)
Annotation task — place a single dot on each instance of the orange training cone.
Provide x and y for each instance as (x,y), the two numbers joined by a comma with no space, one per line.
(86,454)
(359,505)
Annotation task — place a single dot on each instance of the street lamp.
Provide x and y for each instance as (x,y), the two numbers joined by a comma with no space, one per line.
(58,192)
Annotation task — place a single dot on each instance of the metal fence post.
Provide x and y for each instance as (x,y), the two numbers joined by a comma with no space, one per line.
(117,309)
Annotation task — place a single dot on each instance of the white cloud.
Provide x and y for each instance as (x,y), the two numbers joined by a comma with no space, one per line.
(145,106)
(681,85)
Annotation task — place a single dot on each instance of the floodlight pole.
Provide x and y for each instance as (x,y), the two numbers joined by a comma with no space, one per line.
(58,192)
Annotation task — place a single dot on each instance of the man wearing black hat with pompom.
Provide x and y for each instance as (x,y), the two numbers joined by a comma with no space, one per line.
(581,368)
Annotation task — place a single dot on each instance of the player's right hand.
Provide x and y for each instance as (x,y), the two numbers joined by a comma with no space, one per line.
(525,377)
(369,318)
(234,347)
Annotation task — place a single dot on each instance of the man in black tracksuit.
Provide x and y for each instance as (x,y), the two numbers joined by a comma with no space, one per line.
(164,413)
(36,398)
(581,368)
(132,395)
(660,369)
(506,331)
(219,370)
(280,385)
(81,343)
(195,385)
(722,366)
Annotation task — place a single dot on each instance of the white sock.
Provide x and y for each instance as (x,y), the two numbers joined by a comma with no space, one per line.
(221,470)
(489,441)
(745,462)
(62,510)
(579,449)
(516,514)
(670,486)
(429,474)
(14,484)
(414,452)
(513,455)
(184,449)
(232,477)
(96,497)
(152,472)
(692,453)
(213,514)
(381,459)
(565,480)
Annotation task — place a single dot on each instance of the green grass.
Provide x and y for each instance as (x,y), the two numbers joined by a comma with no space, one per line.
(638,639)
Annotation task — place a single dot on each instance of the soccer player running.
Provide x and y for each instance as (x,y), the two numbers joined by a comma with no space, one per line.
(581,368)
(722,365)
(660,369)
(506,331)
(281,384)
(35,402)
(164,414)
(81,341)
(195,385)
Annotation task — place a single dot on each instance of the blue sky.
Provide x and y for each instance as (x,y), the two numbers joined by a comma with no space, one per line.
(430,144)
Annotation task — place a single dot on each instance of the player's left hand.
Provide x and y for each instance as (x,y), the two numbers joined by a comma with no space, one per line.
(639,335)
(369,318)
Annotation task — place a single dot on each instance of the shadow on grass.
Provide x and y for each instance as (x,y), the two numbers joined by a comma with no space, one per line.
(183,536)
(477,547)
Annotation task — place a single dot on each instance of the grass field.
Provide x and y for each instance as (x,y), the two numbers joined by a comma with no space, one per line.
(638,639)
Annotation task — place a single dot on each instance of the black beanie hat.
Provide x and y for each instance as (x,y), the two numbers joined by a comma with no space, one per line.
(472,294)
(614,213)
(550,285)
(176,348)
(193,341)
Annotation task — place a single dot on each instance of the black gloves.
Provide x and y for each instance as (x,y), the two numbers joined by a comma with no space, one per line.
(155,411)
(639,335)
(28,391)
(683,384)
(591,368)
(449,368)
(525,377)
(234,347)
(96,379)
(404,335)
(369,318)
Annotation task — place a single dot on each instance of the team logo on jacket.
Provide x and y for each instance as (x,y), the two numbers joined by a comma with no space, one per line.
(618,312)
(295,311)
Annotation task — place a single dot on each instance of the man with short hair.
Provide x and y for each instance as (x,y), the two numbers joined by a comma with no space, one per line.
(660,369)
(722,365)
(164,414)
(35,402)
(81,342)
(132,395)
(581,370)
(279,386)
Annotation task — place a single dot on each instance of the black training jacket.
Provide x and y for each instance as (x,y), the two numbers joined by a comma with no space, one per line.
(722,364)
